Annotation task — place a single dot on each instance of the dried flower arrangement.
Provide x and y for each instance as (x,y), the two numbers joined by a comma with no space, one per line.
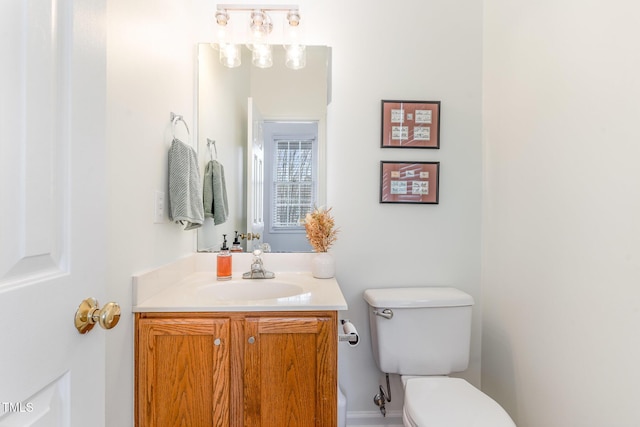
(320,228)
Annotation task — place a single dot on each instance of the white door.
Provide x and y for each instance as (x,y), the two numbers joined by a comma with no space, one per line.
(52,210)
(255,174)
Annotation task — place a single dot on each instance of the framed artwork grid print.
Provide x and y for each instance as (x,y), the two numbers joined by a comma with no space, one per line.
(410,124)
(409,182)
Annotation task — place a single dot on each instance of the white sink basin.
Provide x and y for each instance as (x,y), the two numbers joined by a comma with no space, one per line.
(250,290)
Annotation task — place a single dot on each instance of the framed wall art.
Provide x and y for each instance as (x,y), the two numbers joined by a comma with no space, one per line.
(409,182)
(410,124)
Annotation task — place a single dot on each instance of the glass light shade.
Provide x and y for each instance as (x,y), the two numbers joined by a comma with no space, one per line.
(293,42)
(222,17)
(296,57)
(262,56)
(260,26)
(229,52)
(230,55)
(293,18)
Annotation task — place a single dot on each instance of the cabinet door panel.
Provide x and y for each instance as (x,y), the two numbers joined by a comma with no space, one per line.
(285,364)
(183,372)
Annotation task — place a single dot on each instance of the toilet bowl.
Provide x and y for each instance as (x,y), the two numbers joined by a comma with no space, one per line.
(449,402)
(423,334)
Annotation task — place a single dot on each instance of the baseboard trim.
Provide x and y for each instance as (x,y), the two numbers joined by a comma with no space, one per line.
(374,419)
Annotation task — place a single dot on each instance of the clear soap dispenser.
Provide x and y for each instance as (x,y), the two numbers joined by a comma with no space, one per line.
(224,261)
(236,247)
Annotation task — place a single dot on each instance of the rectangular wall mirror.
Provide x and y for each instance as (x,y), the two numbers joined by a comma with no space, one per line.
(269,127)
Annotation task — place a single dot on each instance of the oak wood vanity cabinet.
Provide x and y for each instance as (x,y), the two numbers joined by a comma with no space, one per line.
(241,369)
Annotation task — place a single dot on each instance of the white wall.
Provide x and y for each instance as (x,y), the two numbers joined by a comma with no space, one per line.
(416,50)
(560,344)
(150,73)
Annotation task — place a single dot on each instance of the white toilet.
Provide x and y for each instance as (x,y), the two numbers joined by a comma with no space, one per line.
(423,334)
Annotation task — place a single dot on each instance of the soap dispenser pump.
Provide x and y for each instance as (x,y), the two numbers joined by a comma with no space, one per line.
(236,247)
(223,269)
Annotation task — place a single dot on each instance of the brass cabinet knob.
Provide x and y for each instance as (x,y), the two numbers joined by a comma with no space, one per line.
(88,314)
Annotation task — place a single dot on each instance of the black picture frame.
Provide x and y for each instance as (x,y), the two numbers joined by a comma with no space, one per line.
(410,124)
(409,182)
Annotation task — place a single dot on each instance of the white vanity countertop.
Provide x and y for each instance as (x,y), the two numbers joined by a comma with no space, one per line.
(187,286)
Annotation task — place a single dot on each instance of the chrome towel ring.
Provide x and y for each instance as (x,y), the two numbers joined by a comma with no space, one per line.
(175,118)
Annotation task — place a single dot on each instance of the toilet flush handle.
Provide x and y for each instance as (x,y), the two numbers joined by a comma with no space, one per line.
(387,313)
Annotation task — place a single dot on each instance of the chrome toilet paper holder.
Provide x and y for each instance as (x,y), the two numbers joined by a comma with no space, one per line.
(350,333)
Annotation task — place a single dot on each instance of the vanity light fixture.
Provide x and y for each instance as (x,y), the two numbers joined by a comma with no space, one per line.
(259,35)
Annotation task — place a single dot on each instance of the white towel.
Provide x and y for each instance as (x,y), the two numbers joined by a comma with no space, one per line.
(185,186)
(215,193)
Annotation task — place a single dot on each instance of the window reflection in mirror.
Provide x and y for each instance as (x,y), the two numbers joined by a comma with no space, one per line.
(291,153)
(282,96)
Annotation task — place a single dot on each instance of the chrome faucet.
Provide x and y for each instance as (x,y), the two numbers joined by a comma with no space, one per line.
(257,268)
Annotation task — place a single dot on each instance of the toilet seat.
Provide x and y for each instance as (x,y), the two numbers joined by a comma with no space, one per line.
(449,402)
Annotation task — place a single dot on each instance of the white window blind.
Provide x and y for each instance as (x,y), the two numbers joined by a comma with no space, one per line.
(293,182)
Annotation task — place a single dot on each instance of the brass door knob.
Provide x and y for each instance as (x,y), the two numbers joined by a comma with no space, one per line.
(250,236)
(88,314)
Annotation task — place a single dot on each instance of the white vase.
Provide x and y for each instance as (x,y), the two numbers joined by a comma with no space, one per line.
(323,265)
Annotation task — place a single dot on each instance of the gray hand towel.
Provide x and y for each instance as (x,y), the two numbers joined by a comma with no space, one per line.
(215,193)
(185,191)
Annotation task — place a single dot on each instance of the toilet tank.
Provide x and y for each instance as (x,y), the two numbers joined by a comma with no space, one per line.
(428,333)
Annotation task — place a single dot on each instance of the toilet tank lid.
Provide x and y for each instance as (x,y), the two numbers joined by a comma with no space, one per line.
(417,297)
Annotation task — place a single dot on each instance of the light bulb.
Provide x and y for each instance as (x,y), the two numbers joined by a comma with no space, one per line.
(262,56)
(296,57)
(230,55)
